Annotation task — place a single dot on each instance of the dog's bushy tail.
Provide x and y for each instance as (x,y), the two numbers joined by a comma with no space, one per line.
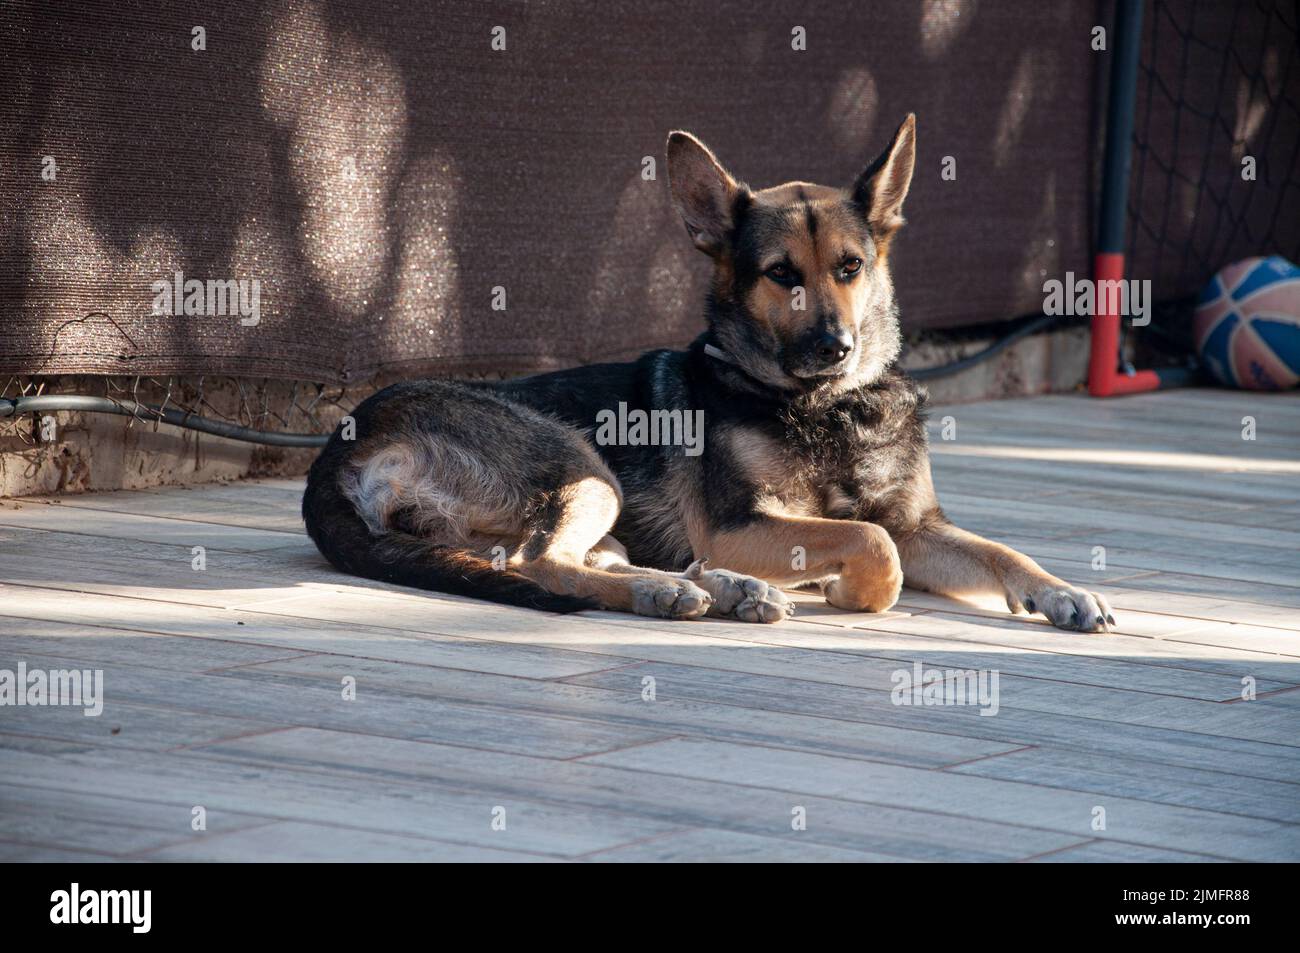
(345,540)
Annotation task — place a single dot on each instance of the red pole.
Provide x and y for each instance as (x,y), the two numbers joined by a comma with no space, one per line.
(1104,378)
(1106,266)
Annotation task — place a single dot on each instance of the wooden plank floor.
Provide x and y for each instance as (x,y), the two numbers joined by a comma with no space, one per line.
(480,732)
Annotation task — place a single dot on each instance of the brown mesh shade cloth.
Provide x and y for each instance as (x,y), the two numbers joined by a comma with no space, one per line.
(387,176)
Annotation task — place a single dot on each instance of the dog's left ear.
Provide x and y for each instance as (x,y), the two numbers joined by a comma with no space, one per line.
(883,185)
(703,192)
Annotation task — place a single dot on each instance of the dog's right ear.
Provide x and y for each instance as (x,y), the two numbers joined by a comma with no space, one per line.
(702,191)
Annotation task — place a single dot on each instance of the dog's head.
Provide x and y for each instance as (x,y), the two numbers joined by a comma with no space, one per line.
(802,298)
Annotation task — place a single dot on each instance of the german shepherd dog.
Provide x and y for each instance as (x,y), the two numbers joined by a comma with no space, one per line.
(813,468)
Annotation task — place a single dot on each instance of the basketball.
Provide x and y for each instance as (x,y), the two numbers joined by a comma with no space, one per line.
(1247,324)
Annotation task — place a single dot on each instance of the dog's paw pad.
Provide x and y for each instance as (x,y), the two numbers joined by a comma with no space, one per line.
(768,606)
(669,598)
(741,597)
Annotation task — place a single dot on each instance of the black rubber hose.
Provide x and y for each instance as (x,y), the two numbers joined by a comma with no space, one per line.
(943,370)
(178,418)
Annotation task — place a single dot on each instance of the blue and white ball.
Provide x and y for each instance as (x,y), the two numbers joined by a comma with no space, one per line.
(1247,324)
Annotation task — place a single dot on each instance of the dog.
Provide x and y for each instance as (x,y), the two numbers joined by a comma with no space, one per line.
(813,468)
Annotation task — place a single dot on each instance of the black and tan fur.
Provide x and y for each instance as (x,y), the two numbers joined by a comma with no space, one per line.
(814,467)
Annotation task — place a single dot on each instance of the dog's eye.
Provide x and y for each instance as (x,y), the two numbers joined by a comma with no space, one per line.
(781,274)
(851,267)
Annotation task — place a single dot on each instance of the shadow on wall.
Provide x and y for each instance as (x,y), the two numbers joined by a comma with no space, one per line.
(393,178)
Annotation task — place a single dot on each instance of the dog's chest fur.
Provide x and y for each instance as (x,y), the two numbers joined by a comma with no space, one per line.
(862,456)
(859,458)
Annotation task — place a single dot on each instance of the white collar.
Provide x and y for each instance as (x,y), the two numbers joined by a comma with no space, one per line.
(718,353)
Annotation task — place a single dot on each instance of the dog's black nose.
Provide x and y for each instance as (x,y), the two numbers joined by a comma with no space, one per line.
(834,346)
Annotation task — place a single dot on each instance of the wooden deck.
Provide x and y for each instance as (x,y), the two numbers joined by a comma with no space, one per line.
(611,737)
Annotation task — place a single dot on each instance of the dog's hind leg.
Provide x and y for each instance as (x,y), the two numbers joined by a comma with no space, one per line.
(571,522)
(457,490)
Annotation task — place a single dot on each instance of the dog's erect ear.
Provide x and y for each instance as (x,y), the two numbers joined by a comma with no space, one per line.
(702,191)
(883,185)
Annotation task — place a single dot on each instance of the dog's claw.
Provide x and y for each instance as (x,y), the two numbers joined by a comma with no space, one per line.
(696,569)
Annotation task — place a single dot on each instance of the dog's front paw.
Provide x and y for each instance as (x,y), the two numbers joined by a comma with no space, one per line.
(871,583)
(1067,607)
(740,597)
(873,587)
(669,598)
(851,597)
